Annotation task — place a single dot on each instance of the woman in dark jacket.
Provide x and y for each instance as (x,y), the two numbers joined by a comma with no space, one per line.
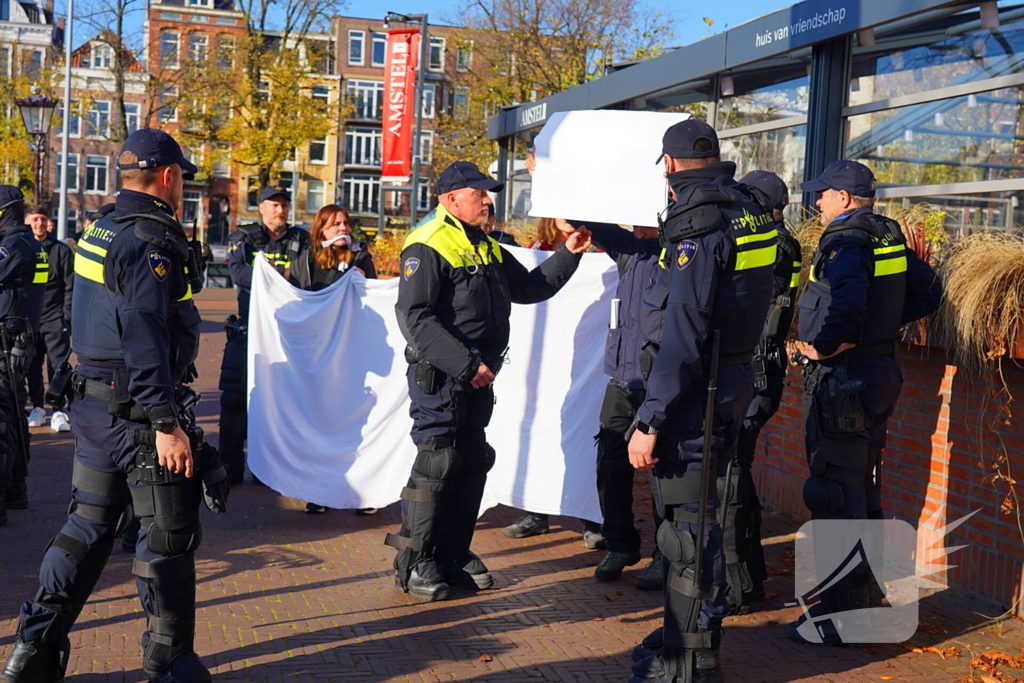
(331,252)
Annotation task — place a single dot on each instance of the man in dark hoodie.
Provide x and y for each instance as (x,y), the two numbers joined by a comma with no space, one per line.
(708,304)
(54,340)
(22,280)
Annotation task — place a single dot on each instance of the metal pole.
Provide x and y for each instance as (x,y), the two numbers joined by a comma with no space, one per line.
(421,68)
(62,214)
(295,187)
(38,173)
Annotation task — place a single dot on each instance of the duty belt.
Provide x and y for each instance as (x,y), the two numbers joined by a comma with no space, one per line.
(863,351)
(728,359)
(104,391)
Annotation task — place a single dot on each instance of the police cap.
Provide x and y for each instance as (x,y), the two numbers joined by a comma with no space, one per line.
(465,174)
(681,141)
(771,185)
(848,176)
(274,191)
(9,196)
(155,148)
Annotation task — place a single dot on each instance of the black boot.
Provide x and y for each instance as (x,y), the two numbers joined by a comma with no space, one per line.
(17,495)
(649,646)
(34,662)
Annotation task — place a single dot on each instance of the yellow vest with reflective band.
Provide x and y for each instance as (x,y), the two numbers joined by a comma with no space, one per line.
(443,233)
(42,274)
(889,256)
(753,249)
(91,254)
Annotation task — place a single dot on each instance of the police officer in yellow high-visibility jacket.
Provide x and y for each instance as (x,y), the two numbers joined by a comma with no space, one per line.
(864,284)
(455,297)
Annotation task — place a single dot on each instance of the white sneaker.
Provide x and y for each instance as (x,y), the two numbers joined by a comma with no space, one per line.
(59,422)
(37,418)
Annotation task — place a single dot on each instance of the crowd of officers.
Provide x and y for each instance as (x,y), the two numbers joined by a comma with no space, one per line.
(696,359)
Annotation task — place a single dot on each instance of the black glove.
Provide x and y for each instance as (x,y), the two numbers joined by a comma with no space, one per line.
(190,375)
(20,359)
(215,480)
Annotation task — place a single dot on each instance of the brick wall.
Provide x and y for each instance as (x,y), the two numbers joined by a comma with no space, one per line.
(956,439)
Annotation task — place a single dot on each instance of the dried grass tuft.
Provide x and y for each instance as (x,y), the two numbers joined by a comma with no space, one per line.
(982,312)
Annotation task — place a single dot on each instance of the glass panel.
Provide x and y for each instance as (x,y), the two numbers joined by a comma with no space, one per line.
(355,47)
(972,138)
(970,213)
(436,59)
(368,98)
(764,95)
(948,51)
(692,98)
(169,48)
(380,42)
(780,151)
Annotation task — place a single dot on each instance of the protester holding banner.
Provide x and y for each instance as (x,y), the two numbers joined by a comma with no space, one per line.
(455,298)
(703,318)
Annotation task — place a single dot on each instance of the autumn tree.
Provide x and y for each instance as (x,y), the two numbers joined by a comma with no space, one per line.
(16,155)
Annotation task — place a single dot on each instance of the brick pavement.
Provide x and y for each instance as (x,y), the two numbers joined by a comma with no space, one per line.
(289,596)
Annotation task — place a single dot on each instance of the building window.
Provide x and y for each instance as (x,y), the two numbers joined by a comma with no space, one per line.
(221,160)
(195,155)
(460,104)
(423,205)
(426,146)
(72,173)
(96,174)
(362,146)
(34,65)
(368,98)
(5,56)
(5,10)
(75,122)
(429,100)
(318,151)
(225,54)
(102,56)
(198,46)
(72,222)
(97,119)
(321,93)
(380,48)
(191,205)
(464,56)
(166,109)
(361,193)
(356,47)
(169,49)
(131,116)
(253,200)
(314,195)
(200,3)
(436,62)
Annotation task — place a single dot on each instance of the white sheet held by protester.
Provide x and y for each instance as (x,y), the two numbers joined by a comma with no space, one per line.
(329,408)
(601,166)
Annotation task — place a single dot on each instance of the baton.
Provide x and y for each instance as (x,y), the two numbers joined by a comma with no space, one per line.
(709,426)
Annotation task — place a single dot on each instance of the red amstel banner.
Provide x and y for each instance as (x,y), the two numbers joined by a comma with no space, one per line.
(399,105)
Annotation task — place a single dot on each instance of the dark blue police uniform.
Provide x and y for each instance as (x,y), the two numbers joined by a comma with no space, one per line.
(22,283)
(716,277)
(865,283)
(136,335)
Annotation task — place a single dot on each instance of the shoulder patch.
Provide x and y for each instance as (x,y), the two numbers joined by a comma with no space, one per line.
(832,254)
(685,253)
(160,264)
(411,266)
(4,254)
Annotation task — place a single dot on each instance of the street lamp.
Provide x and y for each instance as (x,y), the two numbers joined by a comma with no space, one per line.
(36,113)
(417,151)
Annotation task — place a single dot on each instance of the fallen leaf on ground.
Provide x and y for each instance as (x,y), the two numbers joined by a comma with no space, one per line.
(947,653)
(888,678)
(870,650)
(990,661)
(485,657)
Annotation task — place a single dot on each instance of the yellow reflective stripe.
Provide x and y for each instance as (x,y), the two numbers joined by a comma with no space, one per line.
(892,266)
(813,277)
(89,246)
(889,250)
(795,280)
(87,268)
(756,258)
(188,293)
(758,237)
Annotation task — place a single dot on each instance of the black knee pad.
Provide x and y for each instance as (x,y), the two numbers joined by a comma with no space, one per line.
(823,496)
(478,462)
(438,465)
(170,514)
(676,545)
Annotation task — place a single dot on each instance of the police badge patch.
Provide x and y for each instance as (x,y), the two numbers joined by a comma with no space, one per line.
(4,254)
(411,265)
(685,253)
(160,264)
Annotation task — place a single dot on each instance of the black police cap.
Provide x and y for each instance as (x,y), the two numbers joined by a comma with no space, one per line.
(771,185)
(465,174)
(846,175)
(273,191)
(9,196)
(155,148)
(681,141)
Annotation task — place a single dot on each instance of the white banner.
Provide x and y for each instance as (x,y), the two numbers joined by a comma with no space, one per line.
(601,166)
(329,406)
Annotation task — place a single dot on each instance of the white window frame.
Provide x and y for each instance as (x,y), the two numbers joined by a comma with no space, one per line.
(90,168)
(205,39)
(76,119)
(363,184)
(170,64)
(200,3)
(359,36)
(356,86)
(464,57)
(323,160)
(101,55)
(224,58)
(5,60)
(73,156)
(376,37)
(437,41)
(316,195)
(191,198)
(363,138)
(221,166)
(132,120)
(102,131)
(426,143)
(429,100)
(423,203)
(253,190)
(161,114)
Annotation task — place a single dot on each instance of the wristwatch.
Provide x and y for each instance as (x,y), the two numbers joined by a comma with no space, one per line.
(166,425)
(645,428)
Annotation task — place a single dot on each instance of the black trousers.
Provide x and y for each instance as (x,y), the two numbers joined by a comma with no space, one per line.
(614,473)
(52,343)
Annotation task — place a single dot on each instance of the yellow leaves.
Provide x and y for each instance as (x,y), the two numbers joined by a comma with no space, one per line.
(947,653)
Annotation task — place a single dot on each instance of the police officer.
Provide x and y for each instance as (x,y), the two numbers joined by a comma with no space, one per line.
(54,339)
(22,281)
(741,508)
(136,447)
(715,284)
(281,244)
(864,284)
(455,297)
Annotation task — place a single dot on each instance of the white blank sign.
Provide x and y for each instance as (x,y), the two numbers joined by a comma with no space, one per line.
(600,166)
